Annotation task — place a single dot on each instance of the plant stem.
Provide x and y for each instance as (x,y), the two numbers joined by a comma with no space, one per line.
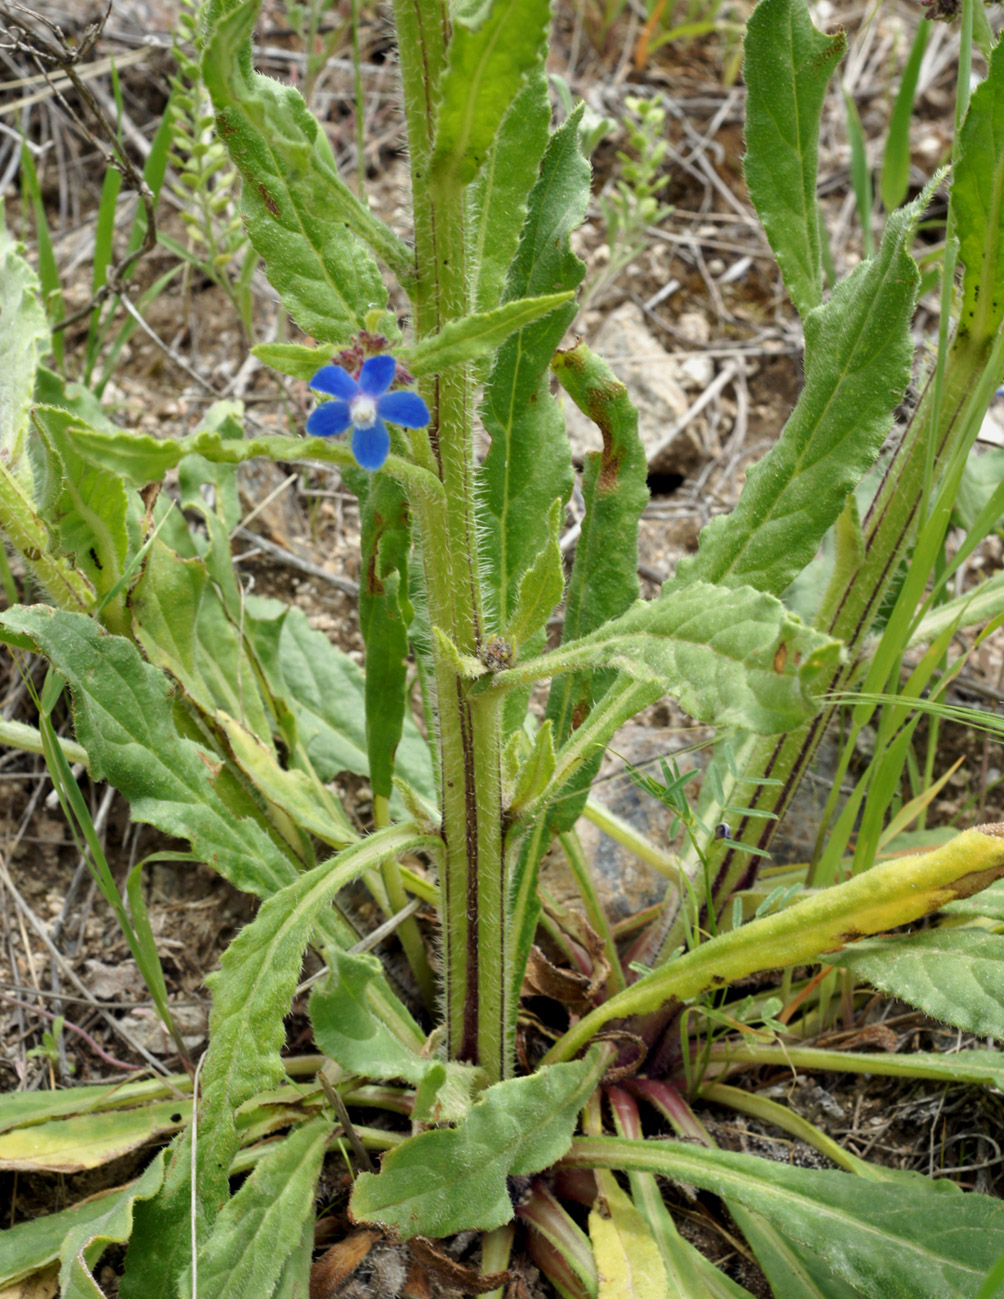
(469,729)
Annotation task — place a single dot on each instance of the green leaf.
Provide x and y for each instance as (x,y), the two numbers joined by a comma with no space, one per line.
(30,1246)
(453,1179)
(122,711)
(604,579)
(324,691)
(978,202)
(896,157)
(252,1236)
(538,769)
(887,1239)
(85,1242)
(541,586)
(251,996)
(350,1032)
(295,359)
(489,56)
(788,64)
(792,1272)
(734,656)
(385,614)
(297,794)
(183,627)
(24,340)
(28,1108)
(858,352)
(627,1256)
(477,335)
(466,666)
(300,215)
(497,201)
(84,504)
(51,295)
(977,1067)
(528,465)
(951,974)
(82,1141)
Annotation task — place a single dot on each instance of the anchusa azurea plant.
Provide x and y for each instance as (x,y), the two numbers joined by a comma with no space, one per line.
(223,718)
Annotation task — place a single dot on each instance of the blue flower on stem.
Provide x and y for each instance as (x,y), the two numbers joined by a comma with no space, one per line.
(363,405)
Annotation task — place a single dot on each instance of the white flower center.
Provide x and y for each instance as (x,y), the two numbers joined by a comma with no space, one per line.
(363,410)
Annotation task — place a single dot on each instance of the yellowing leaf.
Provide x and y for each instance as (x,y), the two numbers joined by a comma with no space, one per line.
(627,1256)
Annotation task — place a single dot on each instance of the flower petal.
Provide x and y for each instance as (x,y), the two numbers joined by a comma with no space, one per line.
(377,374)
(371,445)
(329,419)
(404,408)
(335,381)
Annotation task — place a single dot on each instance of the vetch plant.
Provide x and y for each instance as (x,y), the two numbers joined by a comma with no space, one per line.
(224,719)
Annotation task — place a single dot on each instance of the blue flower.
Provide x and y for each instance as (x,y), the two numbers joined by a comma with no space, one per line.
(363,406)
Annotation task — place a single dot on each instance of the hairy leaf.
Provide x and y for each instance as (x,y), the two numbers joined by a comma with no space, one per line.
(528,465)
(81,1141)
(978,199)
(251,996)
(858,352)
(452,1179)
(951,974)
(347,1029)
(123,718)
(888,1239)
(489,56)
(252,1236)
(385,613)
(497,201)
(183,627)
(323,690)
(541,586)
(477,335)
(627,1256)
(301,217)
(84,504)
(788,64)
(604,580)
(85,1242)
(300,796)
(731,655)
(24,340)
